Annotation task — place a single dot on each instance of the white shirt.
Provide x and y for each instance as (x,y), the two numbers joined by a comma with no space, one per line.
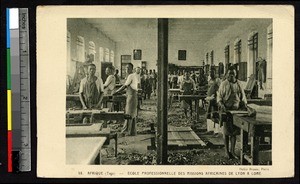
(110,84)
(180,79)
(138,77)
(132,81)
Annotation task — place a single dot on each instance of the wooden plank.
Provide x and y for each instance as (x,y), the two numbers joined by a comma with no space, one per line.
(93,128)
(178,139)
(198,139)
(178,129)
(88,111)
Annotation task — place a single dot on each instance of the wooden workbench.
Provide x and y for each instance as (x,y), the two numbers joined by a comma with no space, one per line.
(83,150)
(195,98)
(94,130)
(119,100)
(171,94)
(97,115)
(256,129)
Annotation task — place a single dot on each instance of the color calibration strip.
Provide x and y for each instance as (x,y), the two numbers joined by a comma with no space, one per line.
(18,90)
(9,104)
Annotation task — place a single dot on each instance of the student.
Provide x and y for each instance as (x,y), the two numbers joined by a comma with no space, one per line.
(117,76)
(229,97)
(193,75)
(137,74)
(110,82)
(187,88)
(202,79)
(180,77)
(131,86)
(154,83)
(169,79)
(174,79)
(91,89)
(139,80)
(148,85)
(212,107)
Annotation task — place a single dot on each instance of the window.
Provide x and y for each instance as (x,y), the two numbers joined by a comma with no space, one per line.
(241,66)
(106,55)
(253,53)
(206,58)
(237,51)
(181,54)
(137,54)
(80,49)
(101,54)
(212,57)
(227,57)
(112,56)
(92,51)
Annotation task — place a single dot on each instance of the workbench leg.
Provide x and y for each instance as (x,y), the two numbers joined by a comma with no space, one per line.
(197,110)
(254,150)
(116,145)
(171,101)
(100,157)
(244,145)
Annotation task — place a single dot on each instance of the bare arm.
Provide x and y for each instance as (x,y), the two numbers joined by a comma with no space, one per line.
(120,89)
(220,97)
(127,83)
(107,82)
(81,95)
(82,101)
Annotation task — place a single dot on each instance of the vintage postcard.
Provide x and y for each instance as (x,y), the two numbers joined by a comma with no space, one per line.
(165,91)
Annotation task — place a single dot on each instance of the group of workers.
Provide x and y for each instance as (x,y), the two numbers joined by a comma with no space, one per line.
(92,90)
(175,79)
(222,94)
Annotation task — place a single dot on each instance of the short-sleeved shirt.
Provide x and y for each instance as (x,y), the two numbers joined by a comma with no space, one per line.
(132,81)
(138,77)
(110,83)
(188,86)
(180,79)
(231,94)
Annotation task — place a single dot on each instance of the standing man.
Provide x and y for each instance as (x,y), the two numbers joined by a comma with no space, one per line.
(187,87)
(139,80)
(138,76)
(154,82)
(91,89)
(117,76)
(212,107)
(131,86)
(174,79)
(110,82)
(230,97)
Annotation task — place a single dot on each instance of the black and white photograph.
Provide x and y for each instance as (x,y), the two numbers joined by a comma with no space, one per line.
(219,91)
(173,93)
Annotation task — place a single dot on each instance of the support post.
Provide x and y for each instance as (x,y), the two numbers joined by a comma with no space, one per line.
(162,116)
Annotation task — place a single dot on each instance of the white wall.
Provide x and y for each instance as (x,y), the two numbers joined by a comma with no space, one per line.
(78,27)
(194,52)
(240,30)
(149,52)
